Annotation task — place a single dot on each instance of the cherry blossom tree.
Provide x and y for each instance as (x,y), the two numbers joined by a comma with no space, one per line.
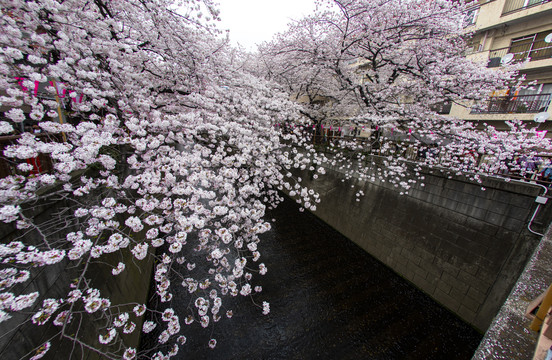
(388,66)
(163,146)
(168,146)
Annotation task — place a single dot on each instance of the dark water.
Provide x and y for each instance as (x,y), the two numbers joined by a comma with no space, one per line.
(330,300)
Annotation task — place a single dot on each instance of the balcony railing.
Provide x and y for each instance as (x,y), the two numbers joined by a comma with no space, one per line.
(521,104)
(516,5)
(536,50)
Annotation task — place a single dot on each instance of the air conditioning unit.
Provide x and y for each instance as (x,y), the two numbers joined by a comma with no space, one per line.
(493,62)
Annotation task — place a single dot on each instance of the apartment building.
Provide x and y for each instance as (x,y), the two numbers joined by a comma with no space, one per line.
(510,32)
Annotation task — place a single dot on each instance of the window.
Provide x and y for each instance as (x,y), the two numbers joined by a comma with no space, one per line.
(515,5)
(470,17)
(536,89)
(473,45)
(529,3)
(532,46)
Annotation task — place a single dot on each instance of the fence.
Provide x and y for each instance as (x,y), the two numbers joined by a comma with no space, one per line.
(521,168)
(400,145)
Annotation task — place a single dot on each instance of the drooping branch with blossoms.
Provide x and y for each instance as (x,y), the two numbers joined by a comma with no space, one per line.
(170,162)
(179,144)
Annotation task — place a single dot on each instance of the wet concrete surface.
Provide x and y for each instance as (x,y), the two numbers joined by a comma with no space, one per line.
(329,299)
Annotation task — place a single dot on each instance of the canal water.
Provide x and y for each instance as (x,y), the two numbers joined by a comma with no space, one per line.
(329,299)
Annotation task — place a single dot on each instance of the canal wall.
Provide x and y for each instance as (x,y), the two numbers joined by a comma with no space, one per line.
(509,336)
(462,243)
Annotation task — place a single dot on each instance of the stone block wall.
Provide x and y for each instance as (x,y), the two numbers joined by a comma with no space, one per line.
(463,246)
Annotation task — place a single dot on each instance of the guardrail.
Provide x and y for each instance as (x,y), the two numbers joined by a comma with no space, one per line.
(528,170)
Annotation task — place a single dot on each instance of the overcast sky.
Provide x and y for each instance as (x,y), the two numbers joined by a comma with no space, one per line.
(255,21)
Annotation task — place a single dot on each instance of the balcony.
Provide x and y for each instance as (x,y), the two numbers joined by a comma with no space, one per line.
(535,50)
(516,5)
(521,104)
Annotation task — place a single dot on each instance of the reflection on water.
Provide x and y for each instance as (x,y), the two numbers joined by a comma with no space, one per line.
(330,300)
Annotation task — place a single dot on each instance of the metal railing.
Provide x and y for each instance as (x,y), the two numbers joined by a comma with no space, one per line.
(525,170)
(516,5)
(521,104)
(536,50)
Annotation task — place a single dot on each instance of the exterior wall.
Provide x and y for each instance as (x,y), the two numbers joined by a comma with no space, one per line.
(526,14)
(462,246)
(490,14)
(464,113)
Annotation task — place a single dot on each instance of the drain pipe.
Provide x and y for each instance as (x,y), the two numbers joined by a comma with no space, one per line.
(541,200)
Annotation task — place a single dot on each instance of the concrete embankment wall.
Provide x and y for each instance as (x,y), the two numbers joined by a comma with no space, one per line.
(509,336)
(463,246)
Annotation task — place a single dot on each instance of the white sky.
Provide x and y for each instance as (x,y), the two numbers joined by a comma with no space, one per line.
(254,21)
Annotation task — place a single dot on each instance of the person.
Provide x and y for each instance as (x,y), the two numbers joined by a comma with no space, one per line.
(528,166)
(532,166)
(549,354)
(433,152)
(422,153)
(546,173)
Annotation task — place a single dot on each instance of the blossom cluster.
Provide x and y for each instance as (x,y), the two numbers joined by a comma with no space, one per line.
(176,152)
